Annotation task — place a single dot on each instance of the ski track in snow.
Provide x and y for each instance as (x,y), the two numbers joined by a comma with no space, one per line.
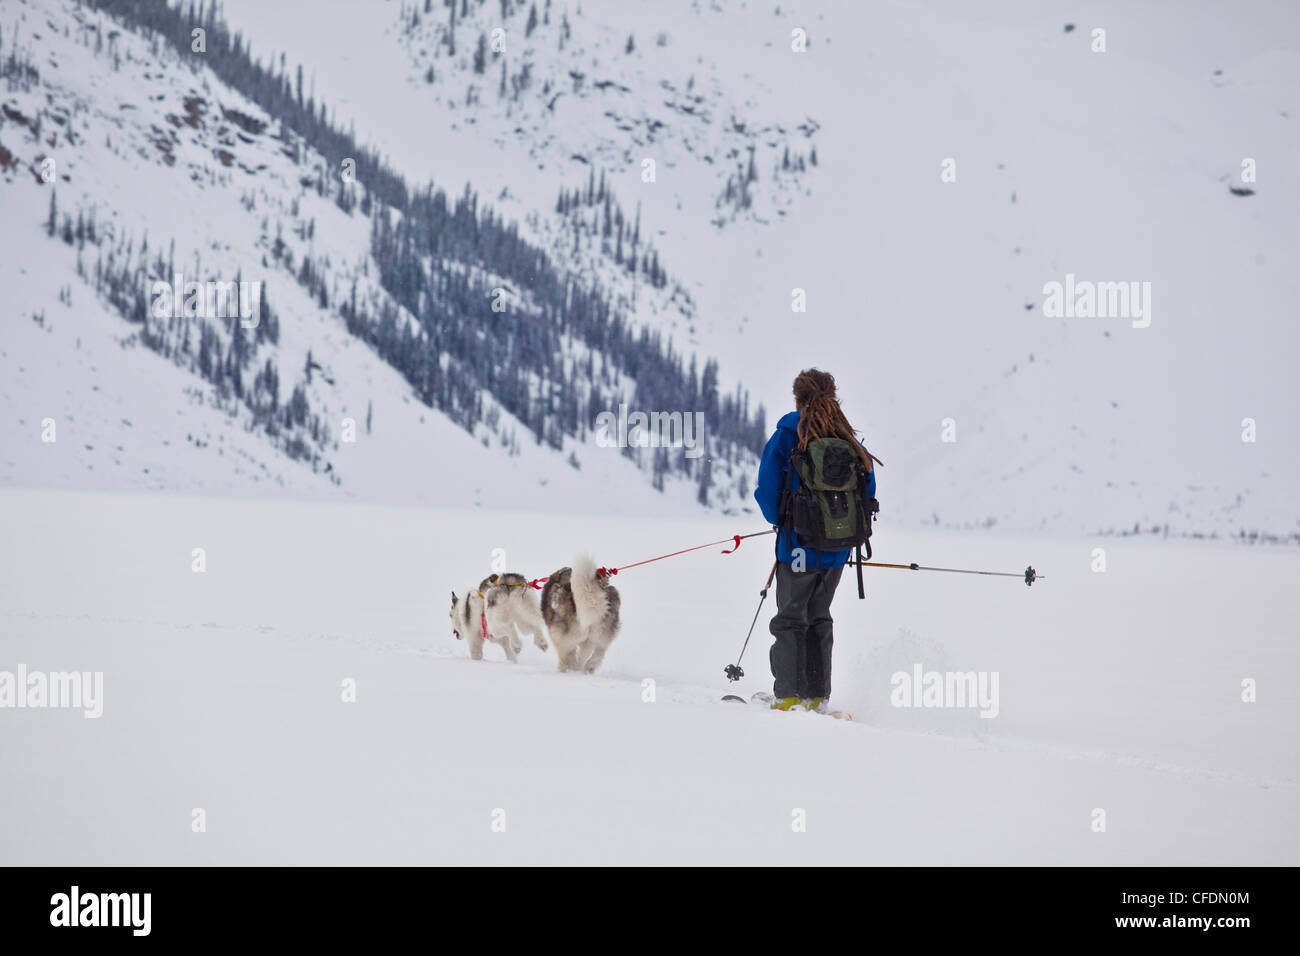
(620,685)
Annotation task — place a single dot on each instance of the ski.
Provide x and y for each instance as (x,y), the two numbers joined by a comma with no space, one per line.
(766,700)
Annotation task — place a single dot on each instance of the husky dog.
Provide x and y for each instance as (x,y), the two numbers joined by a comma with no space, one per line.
(500,604)
(581,611)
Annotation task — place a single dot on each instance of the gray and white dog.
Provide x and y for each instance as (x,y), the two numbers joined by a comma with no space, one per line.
(502,605)
(581,609)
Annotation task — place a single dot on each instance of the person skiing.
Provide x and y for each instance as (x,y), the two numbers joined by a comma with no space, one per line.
(799,462)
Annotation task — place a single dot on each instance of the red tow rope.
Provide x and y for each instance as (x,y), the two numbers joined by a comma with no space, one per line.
(735,539)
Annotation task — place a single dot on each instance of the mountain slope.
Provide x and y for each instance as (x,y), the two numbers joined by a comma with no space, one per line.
(927,296)
(139,134)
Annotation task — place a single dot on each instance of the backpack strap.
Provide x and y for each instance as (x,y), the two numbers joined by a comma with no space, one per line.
(784,520)
(862,593)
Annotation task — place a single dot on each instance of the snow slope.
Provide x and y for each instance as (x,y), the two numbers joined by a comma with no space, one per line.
(148,146)
(1118,691)
(1109,166)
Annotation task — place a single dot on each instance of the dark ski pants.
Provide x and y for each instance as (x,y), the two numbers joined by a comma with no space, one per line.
(801,656)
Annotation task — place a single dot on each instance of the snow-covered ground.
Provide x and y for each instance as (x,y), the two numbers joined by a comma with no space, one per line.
(1119,691)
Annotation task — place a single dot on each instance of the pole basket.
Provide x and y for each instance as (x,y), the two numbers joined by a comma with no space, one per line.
(734,672)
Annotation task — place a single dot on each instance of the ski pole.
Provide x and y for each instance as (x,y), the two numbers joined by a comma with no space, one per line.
(1029,575)
(734,671)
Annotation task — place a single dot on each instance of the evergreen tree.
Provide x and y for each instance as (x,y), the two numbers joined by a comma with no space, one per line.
(660,468)
(480,55)
(709,389)
(706,478)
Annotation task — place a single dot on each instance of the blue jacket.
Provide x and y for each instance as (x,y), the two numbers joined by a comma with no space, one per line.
(772,472)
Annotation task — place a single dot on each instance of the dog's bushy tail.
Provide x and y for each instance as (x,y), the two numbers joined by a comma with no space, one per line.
(589,598)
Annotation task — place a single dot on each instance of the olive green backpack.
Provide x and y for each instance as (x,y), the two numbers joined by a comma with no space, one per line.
(831,510)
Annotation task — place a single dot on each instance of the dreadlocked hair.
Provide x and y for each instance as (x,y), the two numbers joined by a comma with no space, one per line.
(820,415)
